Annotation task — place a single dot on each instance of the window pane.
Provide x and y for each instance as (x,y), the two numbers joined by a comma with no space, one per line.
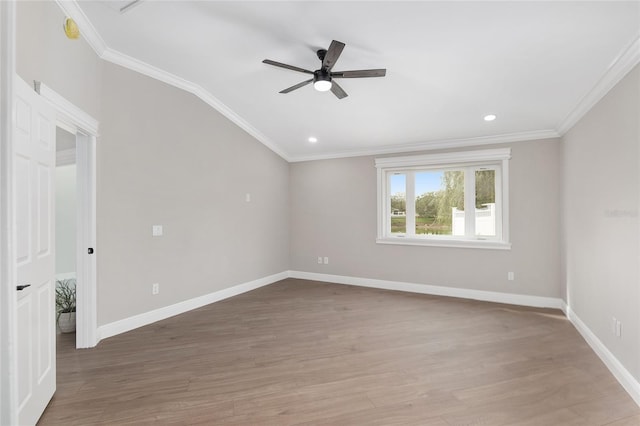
(439,202)
(486,203)
(428,188)
(452,205)
(398,201)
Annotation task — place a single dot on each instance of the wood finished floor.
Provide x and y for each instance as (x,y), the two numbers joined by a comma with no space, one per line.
(302,352)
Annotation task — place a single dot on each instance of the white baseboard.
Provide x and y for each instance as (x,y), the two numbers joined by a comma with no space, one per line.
(128,324)
(628,382)
(624,377)
(487,296)
(565,308)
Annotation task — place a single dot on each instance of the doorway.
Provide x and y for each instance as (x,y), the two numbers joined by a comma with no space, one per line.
(84,129)
(66,231)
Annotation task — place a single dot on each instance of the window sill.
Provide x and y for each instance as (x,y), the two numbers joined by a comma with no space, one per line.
(441,242)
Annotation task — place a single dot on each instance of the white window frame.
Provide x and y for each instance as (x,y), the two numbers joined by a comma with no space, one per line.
(497,159)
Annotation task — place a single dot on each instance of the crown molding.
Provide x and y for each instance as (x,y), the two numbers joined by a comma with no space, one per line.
(435,144)
(91,35)
(621,65)
(144,68)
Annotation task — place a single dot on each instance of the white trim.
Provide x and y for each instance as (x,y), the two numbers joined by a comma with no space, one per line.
(86,292)
(565,308)
(66,157)
(8,326)
(96,42)
(487,296)
(623,63)
(434,145)
(441,242)
(67,113)
(626,379)
(497,158)
(444,158)
(85,128)
(179,82)
(503,197)
(91,35)
(128,324)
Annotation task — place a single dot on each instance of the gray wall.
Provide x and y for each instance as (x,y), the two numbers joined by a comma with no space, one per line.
(66,220)
(164,157)
(601,198)
(333,213)
(44,53)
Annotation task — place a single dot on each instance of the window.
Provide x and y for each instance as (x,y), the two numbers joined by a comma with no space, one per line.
(457,199)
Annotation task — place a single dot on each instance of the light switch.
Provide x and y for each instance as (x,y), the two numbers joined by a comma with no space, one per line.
(157,230)
(247,197)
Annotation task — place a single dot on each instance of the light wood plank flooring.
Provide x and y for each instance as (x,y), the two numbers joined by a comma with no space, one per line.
(303,352)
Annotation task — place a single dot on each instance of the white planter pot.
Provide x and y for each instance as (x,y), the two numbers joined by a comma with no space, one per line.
(67,322)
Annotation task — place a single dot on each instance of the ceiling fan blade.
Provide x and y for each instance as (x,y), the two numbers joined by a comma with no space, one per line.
(359,73)
(338,91)
(332,55)
(289,67)
(297,86)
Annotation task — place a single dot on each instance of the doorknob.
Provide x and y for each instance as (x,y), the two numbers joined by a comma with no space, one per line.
(22,287)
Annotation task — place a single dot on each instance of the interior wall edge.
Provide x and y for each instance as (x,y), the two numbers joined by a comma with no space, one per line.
(624,377)
(127,324)
(434,290)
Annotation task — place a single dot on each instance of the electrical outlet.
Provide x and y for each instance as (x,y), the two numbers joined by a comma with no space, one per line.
(326,260)
(155,288)
(156,230)
(511,276)
(319,260)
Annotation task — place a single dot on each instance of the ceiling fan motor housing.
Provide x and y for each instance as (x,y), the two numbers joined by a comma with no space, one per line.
(321,75)
(321,53)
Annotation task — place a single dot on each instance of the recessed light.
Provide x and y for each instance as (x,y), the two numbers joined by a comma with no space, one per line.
(312,139)
(489,117)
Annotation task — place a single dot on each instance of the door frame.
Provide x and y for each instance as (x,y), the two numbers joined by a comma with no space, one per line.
(8,298)
(86,130)
(74,120)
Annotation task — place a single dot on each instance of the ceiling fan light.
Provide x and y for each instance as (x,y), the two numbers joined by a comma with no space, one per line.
(322,85)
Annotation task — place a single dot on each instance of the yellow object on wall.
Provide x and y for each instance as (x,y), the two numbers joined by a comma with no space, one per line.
(71,29)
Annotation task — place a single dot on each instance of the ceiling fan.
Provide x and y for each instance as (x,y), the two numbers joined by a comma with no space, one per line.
(323,78)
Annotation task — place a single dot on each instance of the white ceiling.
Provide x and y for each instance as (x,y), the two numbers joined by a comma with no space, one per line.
(533,64)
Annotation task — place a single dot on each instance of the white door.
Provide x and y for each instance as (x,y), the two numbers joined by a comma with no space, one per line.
(34,166)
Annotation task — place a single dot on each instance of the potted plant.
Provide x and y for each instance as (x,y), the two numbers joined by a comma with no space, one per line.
(66,305)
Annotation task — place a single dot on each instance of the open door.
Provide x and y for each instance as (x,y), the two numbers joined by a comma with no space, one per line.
(34,171)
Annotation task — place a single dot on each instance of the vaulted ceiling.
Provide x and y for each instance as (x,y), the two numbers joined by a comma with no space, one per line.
(538,66)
